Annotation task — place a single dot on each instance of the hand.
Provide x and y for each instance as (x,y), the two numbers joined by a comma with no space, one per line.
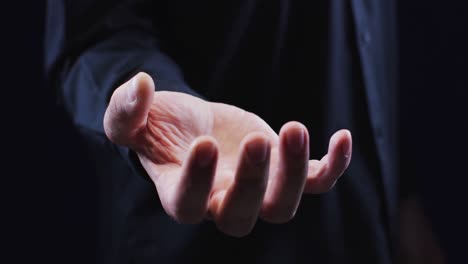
(218,161)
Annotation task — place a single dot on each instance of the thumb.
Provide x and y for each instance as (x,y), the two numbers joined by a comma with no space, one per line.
(128,109)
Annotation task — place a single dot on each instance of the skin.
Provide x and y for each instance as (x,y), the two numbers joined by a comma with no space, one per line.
(217,161)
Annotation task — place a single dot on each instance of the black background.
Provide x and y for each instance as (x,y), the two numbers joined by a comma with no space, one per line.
(434,114)
(48,203)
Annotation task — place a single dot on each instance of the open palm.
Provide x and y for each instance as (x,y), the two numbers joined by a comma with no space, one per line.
(218,161)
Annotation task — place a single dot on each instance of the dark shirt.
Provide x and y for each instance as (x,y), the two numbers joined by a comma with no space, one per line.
(328,64)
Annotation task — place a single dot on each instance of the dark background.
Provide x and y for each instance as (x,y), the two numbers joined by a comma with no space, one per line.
(434,114)
(50,209)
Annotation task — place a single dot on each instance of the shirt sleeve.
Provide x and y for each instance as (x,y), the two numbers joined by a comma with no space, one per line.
(92,47)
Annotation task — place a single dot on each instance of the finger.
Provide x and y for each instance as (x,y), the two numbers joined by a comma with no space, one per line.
(185,197)
(128,109)
(239,206)
(286,186)
(323,174)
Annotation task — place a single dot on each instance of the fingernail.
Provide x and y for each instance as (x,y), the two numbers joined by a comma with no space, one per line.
(346,151)
(346,148)
(257,153)
(132,93)
(206,156)
(295,141)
